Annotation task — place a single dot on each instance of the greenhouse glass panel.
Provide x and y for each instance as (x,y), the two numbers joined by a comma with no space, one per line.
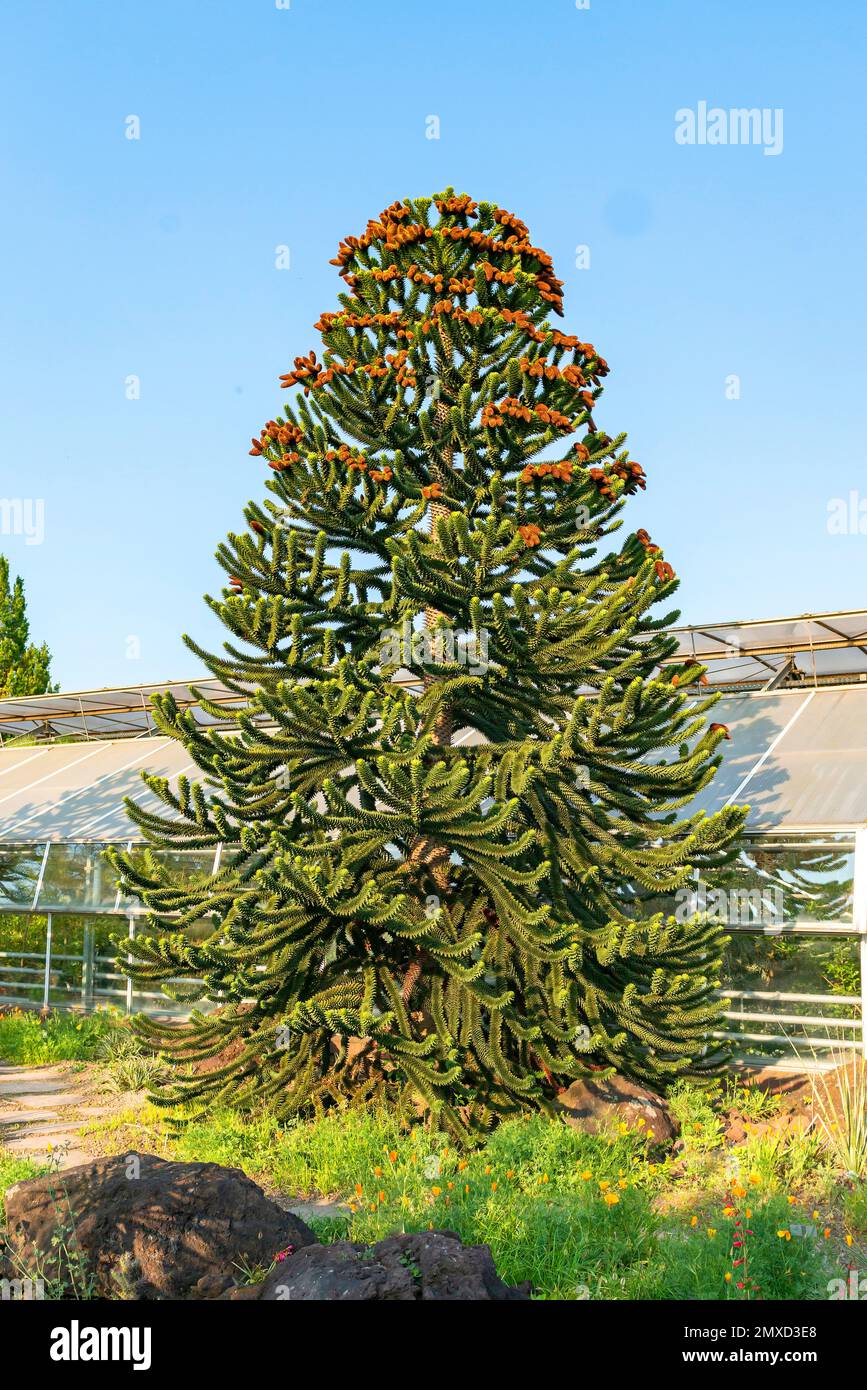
(20,866)
(78,877)
(775,883)
(793,996)
(183,868)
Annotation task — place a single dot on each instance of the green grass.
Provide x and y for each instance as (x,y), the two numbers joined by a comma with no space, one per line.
(579,1216)
(12,1170)
(29,1039)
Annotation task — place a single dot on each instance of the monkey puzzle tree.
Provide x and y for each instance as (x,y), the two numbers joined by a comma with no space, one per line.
(433,882)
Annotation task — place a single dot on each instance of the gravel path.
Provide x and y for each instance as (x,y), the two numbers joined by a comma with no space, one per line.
(42,1108)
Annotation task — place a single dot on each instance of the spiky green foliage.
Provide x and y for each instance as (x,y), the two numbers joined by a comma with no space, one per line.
(437,886)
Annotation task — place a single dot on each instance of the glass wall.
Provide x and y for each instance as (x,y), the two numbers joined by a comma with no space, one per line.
(61,912)
(78,877)
(793,966)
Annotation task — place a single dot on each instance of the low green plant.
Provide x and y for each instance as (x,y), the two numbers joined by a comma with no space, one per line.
(843,968)
(751,1101)
(855,1209)
(14,1169)
(63,1271)
(782,1161)
(128,1065)
(580,1216)
(737,1252)
(840,1108)
(694,1109)
(28,1038)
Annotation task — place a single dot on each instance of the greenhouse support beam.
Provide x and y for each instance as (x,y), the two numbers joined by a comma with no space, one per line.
(129,962)
(859,919)
(46,992)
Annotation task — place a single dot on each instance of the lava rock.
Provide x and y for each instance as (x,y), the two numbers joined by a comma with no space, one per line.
(147,1228)
(403,1268)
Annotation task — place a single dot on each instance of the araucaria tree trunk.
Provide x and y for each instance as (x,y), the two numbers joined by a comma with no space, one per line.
(456,774)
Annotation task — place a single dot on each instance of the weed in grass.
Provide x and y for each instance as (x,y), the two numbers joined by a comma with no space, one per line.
(693,1107)
(63,1272)
(855,1209)
(751,1101)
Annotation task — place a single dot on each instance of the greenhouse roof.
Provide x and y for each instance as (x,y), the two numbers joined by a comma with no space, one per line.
(816,648)
(116,712)
(75,791)
(798,757)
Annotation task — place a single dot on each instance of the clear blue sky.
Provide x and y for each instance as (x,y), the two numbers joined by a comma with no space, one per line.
(263,126)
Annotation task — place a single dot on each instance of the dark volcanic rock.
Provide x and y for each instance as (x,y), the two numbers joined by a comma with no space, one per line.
(148,1228)
(431,1265)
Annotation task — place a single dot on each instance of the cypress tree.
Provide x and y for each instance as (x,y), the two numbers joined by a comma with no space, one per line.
(452,784)
(24,668)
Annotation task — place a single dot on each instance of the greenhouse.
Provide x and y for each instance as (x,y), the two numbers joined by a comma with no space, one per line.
(793,694)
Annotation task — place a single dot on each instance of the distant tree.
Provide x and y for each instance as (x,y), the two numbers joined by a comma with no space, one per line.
(24,668)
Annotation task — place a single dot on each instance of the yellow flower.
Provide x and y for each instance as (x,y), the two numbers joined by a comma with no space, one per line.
(603,1186)
(510,1172)
(848,1240)
(488,1169)
(623,1183)
(728,1278)
(392,1153)
(544,1177)
(711,1232)
(815,1216)
(436,1191)
(728,1211)
(748,1213)
(611,1199)
(693,1221)
(493,1186)
(586,1175)
(755,1179)
(784,1235)
(377,1172)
